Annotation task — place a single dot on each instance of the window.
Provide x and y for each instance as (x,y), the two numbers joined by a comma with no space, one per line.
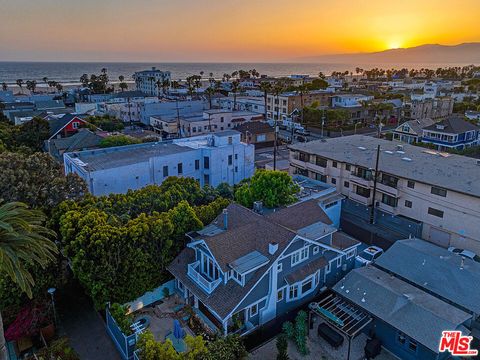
(230,140)
(221,119)
(299,256)
(230,159)
(334,164)
(307,286)
(321,162)
(348,167)
(206,162)
(408,204)
(401,339)
(279,267)
(412,346)
(351,253)
(180,168)
(435,212)
(389,200)
(389,180)
(328,268)
(253,310)
(339,262)
(236,168)
(346,184)
(197,164)
(261,137)
(293,292)
(303,157)
(320,177)
(439,191)
(363,191)
(236,156)
(75,125)
(206,179)
(316,249)
(411,184)
(165,171)
(280,294)
(334,181)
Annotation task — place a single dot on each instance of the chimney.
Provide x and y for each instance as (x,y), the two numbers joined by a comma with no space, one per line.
(272,248)
(225,219)
(258,207)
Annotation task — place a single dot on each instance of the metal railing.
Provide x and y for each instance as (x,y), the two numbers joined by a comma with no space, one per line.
(204,283)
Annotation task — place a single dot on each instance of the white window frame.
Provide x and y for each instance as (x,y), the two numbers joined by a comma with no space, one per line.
(310,279)
(290,290)
(351,253)
(339,262)
(300,255)
(251,314)
(279,267)
(316,249)
(328,268)
(281,291)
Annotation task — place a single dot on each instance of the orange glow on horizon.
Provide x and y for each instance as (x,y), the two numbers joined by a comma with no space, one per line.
(227,30)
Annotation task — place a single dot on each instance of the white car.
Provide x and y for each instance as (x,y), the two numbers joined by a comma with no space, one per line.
(466,253)
(368,255)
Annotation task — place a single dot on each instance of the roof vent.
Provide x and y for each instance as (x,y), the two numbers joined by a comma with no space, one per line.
(362,148)
(272,248)
(258,207)
(389,152)
(406,159)
(225,219)
(399,147)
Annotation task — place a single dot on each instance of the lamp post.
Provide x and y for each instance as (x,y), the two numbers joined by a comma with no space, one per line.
(51,291)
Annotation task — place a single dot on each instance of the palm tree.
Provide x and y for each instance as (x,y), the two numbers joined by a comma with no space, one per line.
(45,80)
(20,84)
(266,87)
(235,88)
(31,85)
(23,240)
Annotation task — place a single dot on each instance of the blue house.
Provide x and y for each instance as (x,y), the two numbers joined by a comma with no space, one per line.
(248,267)
(452,133)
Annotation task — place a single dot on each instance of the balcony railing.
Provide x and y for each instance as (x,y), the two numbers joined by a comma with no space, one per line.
(203,282)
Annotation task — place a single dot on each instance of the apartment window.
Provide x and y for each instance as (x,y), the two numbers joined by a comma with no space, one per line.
(303,157)
(348,167)
(280,294)
(408,204)
(180,168)
(206,179)
(165,171)
(364,173)
(206,162)
(279,267)
(346,184)
(230,159)
(334,181)
(339,262)
(197,164)
(438,191)
(236,168)
(230,139)
(236,156)
(293,292)
(221,119)
(411,184)
(321,162)
(363,191)
(320,177)
(389,180)
(316,249)
(253,310)
(328,268)
(307,286)
(299,256)
(334,164)
(435,212)
(389,200)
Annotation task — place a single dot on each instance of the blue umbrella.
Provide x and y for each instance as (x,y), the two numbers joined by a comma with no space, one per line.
(177,329)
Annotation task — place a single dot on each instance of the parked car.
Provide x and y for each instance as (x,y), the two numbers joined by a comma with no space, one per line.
(368,256)
(466,253)
(301,138)
(302,131)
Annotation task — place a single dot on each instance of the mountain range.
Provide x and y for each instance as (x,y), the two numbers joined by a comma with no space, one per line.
(465,53)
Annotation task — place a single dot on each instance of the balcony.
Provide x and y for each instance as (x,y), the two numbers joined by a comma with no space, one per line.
(388,188)
(203,282)
(365,181)
(359,198)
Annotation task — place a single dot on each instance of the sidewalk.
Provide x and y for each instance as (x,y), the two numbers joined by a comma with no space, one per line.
(84,326)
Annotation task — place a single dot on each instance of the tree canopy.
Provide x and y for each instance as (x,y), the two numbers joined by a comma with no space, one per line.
(273,188)
(118,140)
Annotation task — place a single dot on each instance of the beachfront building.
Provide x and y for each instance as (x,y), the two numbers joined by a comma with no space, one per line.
(211,159)
(438,190)
(150,81)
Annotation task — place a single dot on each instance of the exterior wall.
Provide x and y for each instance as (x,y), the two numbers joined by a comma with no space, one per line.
(146,81)
(135,176)
(461,212)
(290,102)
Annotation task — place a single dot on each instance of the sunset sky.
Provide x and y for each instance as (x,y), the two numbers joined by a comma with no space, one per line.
(225,30)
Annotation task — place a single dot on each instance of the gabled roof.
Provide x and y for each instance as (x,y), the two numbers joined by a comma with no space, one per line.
(412,311)
(57,124)
(82,140)
(436,270)
(417,125)
(452,125)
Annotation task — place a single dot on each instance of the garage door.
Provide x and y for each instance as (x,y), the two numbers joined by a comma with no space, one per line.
(439,237)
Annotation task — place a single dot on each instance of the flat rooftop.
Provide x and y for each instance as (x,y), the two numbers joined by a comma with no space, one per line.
(449,171)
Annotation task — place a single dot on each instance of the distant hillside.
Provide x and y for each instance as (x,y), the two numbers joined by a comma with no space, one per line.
(466,53)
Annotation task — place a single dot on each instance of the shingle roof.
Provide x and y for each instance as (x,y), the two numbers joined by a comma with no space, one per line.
(57,123)
(300,215)
(455,172)
(435,269)
(453,125)
(83,139)
(410,310)
(418,125)
(254,127)
(306,270)
(342,241)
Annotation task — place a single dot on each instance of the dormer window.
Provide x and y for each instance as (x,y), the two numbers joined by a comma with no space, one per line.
(299,256)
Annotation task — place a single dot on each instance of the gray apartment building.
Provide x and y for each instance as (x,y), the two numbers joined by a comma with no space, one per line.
(440,190)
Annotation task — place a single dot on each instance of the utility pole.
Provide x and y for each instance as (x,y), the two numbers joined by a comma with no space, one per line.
(323,121)
(375,179)
(179,134)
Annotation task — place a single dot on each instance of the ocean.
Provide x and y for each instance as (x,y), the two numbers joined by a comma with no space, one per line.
(68,73)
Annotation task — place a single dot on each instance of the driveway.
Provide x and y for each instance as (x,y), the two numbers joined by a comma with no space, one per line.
(83,325)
